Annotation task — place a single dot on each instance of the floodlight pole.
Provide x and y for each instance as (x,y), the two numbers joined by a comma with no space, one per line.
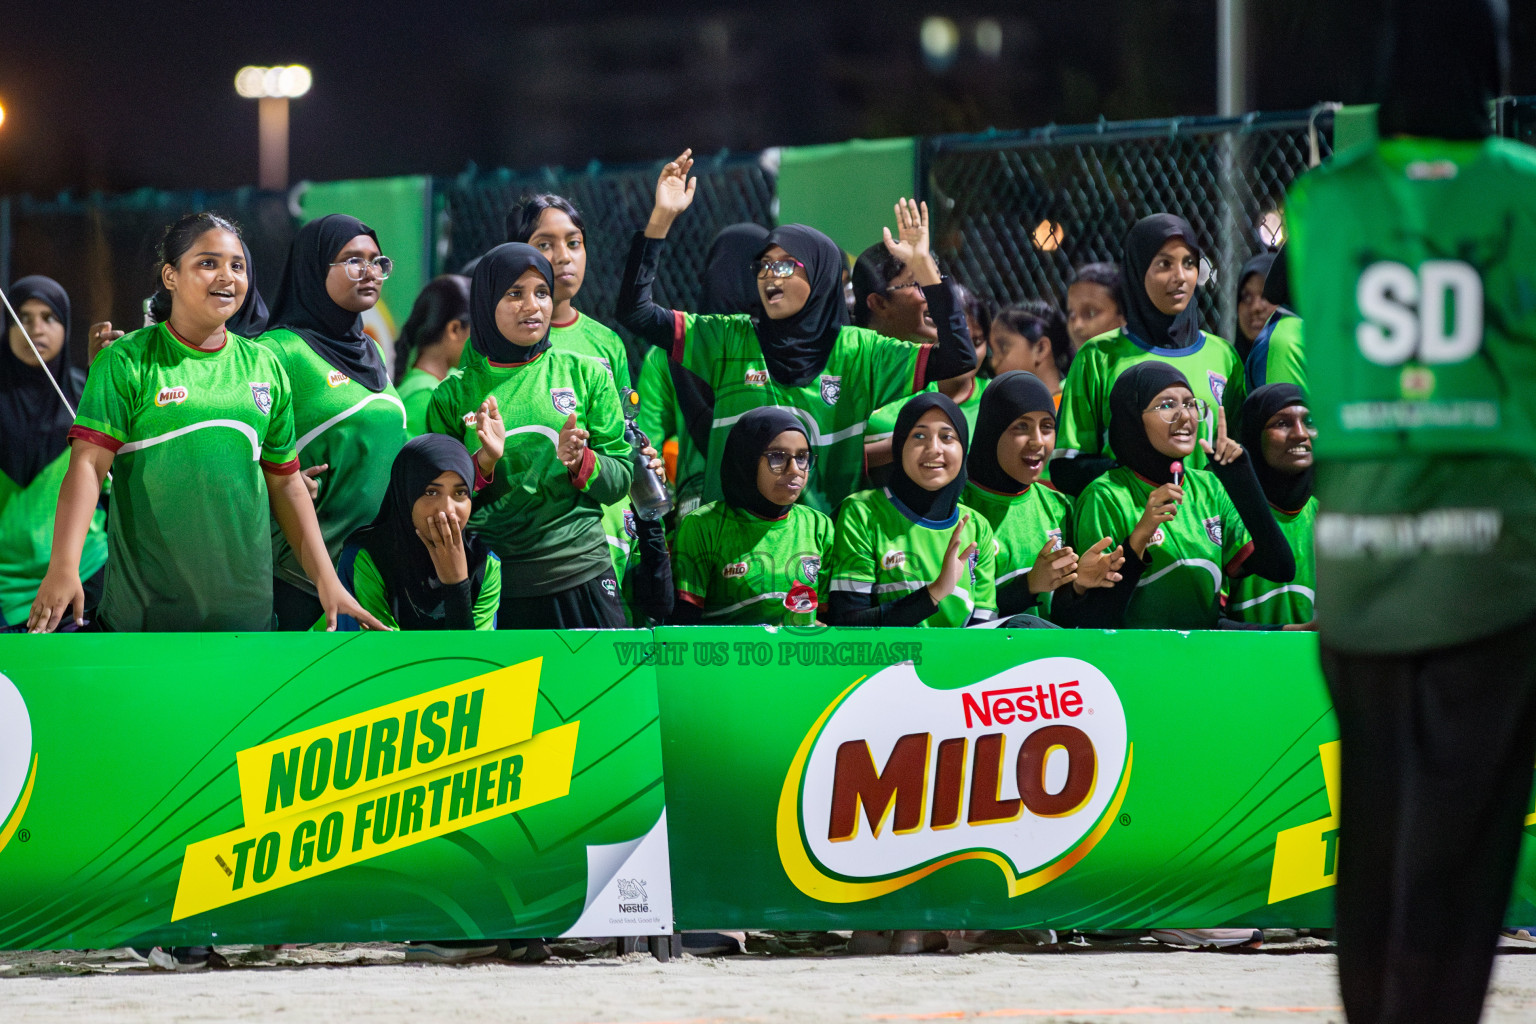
(272,142)
(1231,58)
(1231,101)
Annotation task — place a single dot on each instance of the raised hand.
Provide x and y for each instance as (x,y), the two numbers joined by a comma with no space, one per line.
(955,562)
(571,445)
(674,194)
(310,483)
(1099,566)
(444,538)
(1054,567)
(912,228)
(493,438)
(1225,451)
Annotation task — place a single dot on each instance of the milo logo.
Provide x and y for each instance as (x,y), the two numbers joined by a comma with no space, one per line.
(1025,770)
(18,765)
(171,396)
(336,378)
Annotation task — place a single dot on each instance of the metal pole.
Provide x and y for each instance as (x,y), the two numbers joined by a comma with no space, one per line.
(1231,58)
(1231,101)
(273,142)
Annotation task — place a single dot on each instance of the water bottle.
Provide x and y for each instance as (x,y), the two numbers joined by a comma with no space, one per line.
(647,494)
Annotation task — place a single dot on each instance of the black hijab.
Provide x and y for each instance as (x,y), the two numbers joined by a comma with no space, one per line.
(304,307)
(34,424)
(1009,396)
(497,271)
(729,284)
(934,509)
(1143,319)
(1284,491)
(1133,392)
(744,445)
(1277,283)
(1260,265)
(415,594)
(796,348)
(251,318)
(1441,66)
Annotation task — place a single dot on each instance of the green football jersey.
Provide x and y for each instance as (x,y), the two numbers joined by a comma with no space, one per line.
(879,551)
(415,392)
(1415,262)
(1211,366)
(1189,557)
(26,539)
(1281,358)
(544,523)
(1255,599)
(882,422)
(341,424)
(1021,524)
(661,418)
(738,568)
(591,339)
(188,538)
(362,578)
(864,371)
(619,532)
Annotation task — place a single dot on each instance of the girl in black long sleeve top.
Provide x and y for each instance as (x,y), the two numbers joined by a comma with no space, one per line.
(800,354)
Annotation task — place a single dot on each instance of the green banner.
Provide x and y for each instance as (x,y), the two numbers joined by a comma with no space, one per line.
(182,789)
(847,190)
(987,779)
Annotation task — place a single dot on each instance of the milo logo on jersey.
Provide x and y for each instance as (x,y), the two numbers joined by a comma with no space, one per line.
(1025,770)
(380,780)
(336,378)
(171,396)
(18,764)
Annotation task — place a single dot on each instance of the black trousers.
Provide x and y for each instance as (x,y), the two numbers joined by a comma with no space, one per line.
(296,610)
(1437,753)
(594,604)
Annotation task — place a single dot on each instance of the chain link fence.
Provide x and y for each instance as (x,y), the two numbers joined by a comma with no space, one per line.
(614,202)
(1016,212)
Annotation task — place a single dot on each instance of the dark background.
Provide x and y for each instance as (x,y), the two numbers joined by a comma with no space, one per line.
(116,96)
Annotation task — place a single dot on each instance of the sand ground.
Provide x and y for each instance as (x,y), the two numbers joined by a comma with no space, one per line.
(1285,981)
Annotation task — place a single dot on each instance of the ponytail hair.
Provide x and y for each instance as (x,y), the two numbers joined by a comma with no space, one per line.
(523,220)
(175,244)
(444,300)
(1036,319)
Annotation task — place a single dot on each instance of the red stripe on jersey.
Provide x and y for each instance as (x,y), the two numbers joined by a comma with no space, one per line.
(693,599)
(281,468)
(919,378)
(481,480)
(679,334)
(97,438)
(1238,559)
(583,474)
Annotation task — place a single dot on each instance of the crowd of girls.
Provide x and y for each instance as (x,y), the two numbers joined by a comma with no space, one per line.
(912,457)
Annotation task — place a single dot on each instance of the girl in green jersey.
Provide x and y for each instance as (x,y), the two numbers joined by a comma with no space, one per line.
(34,436)
(1162,322)
(417,566)
(911,554)
(1276,424)
(1186,531)
(566,457)
(430,345)
(739,560)
(1031,521)
(552,225)
(196,422)
(348,417)
(800,354)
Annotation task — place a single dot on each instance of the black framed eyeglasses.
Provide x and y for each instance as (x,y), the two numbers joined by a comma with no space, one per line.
(778,459)
(775,268)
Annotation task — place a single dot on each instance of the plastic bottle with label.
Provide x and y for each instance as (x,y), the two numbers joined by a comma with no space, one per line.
(647,494)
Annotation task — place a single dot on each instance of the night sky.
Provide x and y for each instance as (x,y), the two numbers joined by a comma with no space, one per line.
(111,96)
